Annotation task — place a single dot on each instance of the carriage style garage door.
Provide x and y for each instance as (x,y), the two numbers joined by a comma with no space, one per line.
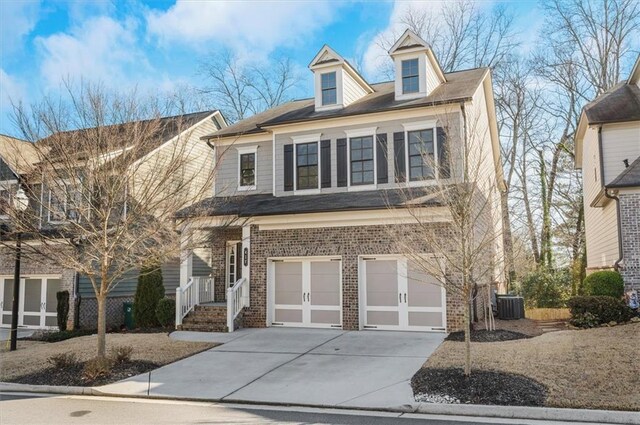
(37,304)
(305,292)
(395,295)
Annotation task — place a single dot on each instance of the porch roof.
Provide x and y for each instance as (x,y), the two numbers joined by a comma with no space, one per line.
(267,204)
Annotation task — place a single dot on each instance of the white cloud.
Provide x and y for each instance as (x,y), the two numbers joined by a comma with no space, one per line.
(11,90)
(17,19)
(100,48)
(248,28)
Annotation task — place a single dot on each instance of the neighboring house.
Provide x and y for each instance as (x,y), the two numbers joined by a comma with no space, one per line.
(41,279)
(298,221)
(607,151)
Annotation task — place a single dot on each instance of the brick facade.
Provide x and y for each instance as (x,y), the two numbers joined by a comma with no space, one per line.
(630,226)
(347,242)
(32,267)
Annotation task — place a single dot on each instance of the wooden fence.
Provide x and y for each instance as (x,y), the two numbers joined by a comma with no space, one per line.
(547,313)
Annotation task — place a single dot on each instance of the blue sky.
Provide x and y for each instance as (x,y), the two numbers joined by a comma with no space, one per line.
(157,45)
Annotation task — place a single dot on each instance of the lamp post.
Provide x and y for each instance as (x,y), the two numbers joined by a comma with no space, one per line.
(20,203)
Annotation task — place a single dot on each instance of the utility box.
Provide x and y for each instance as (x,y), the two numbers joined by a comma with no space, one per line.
(128,315)
(510,307)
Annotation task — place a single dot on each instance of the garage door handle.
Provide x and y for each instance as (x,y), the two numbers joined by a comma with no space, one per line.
(399,298)
(405,297)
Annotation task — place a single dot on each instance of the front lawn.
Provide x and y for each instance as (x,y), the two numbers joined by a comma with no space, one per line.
(593,368)
(30,363)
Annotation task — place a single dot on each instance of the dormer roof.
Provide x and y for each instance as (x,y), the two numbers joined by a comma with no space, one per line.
(329,57)
(409,40)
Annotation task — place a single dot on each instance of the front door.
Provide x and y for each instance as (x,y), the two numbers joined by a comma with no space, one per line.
(234,262)
(306,292)
(397,295)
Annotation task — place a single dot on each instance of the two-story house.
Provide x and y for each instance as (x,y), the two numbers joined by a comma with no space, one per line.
(607,150)
(297,227)
(42,278)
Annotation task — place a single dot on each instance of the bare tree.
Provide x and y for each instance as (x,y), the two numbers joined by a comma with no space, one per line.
(464,256)
(241,90)
(109,177)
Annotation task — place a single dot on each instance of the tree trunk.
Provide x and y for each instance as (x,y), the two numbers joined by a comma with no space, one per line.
(102,325)
(467,339)
(507,239)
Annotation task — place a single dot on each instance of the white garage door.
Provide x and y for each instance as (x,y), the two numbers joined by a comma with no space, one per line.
(37,303)
(395,295)
(305,292)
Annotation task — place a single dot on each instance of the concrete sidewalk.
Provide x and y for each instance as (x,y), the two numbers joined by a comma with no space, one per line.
(301,366)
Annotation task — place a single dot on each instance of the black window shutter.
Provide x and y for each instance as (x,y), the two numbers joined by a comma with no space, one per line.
(443,154)
(341,145)
(288,167)
(381,157)
(325,163)
(399,158)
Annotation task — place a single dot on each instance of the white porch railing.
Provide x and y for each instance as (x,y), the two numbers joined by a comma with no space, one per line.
(198,290)
(237,299)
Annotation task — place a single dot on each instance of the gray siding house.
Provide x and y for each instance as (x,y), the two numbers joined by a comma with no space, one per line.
(297,228)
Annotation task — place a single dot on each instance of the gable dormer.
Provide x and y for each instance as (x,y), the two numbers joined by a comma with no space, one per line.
(417,72)
(336,83)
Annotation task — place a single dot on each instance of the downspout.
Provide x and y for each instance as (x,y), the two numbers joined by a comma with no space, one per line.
(616,265)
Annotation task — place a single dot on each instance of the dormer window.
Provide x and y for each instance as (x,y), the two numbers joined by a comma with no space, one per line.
(410,76)
(329,88)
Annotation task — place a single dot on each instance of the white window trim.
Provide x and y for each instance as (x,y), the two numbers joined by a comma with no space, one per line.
(64,211)
(400,95)
(362,132)
(297,140)
(335,72)
(417,126)
(318,88)
(254,151)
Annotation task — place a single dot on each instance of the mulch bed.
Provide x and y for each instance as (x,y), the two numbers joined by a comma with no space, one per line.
(73,376)
(482,387)
(483,335)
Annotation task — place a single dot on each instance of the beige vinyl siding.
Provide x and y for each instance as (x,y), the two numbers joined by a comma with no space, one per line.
(351,90)
(600,222)
(227,172)
(431,77)
(388,127)
(619,142)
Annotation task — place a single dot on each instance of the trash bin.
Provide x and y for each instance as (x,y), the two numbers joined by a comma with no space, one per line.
(128,315)
(510,307)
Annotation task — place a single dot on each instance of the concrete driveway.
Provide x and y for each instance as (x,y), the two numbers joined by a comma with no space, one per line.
(303,366)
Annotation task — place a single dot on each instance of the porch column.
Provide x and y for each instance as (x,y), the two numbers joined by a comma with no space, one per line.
(186,258)
(245,256)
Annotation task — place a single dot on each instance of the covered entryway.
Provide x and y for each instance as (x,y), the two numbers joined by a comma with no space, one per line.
(37,304)
(305,292)
(395,295)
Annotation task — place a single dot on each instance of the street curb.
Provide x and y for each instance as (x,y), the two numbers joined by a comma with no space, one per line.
(468,410)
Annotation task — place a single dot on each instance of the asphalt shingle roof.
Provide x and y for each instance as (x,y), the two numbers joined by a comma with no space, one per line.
(630,177)
(267,204)
(619,104)
(460,85)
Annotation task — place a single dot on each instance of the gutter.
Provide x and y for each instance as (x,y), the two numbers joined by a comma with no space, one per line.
(616,265)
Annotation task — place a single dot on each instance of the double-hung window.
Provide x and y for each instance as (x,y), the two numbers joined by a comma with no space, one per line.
(328,87)
(247,169)
(410,76)
(307,166)
(362,160)
(421,154)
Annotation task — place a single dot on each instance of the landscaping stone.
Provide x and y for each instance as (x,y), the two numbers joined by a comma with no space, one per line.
(435,398)
(482,387)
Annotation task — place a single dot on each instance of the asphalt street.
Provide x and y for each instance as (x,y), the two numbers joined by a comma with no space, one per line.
(17,408)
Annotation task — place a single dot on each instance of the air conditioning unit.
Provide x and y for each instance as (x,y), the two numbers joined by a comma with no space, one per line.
(510,307)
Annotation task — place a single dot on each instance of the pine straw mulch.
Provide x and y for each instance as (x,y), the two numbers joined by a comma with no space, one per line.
(592,368)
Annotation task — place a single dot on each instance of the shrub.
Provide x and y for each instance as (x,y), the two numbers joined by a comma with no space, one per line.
(121,354)
(604,309)
(62,309)
(606,282)
(97,367)
(64,360)
(150,290)
(166,311)
(546,288)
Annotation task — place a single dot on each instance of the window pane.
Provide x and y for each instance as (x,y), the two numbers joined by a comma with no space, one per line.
(410,67)
(247,169)
(307,165)
(410,85)
(328,80)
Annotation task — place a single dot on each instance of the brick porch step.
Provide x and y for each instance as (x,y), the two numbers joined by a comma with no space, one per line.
(206,318)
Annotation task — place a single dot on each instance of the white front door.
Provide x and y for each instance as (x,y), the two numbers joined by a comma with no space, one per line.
(305,292)
(396,295)
(37,304)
